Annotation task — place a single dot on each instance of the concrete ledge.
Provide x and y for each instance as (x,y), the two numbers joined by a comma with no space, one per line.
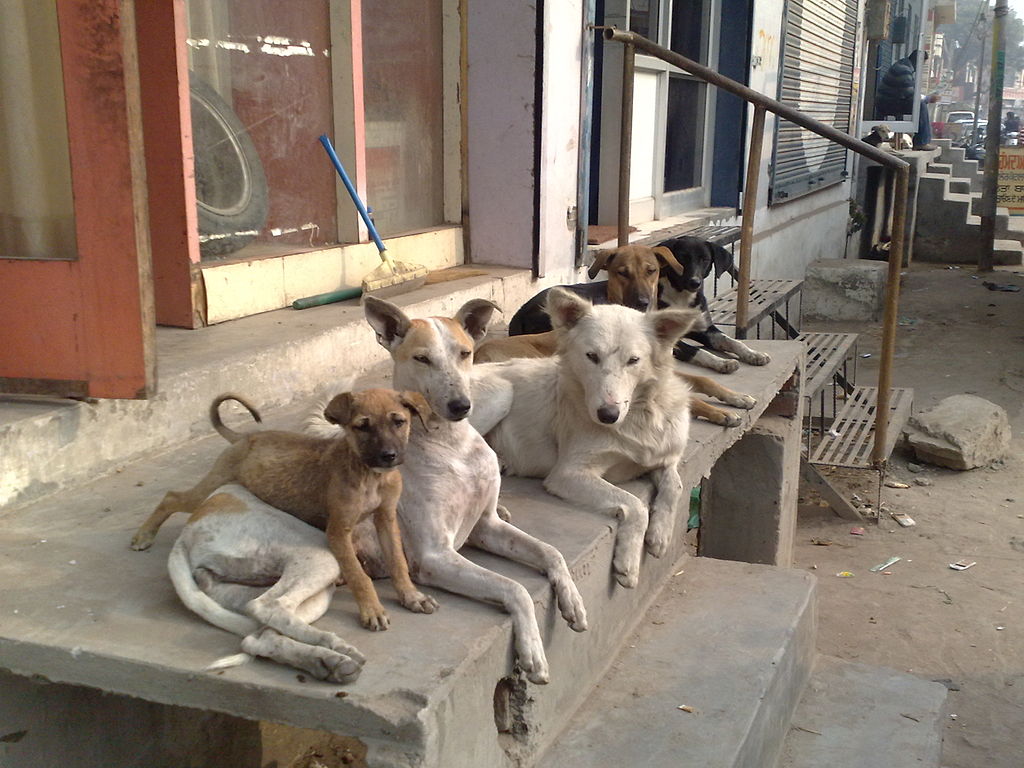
(275,358)
(80,608)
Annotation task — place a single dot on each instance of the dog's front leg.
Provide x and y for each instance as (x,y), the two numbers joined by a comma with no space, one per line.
(722,343)
(371,613)
(449,570)
(492,534)
(586,487)
(669,490)
(386,522)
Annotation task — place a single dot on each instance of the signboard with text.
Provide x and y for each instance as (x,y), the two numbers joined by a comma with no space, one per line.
(1010,192)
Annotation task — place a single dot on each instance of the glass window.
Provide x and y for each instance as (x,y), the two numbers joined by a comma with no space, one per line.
(402,95)
(643,18)
(684,144)
(260,97)
(36,206)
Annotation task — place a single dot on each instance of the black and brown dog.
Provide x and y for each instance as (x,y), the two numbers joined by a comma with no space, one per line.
(637,275)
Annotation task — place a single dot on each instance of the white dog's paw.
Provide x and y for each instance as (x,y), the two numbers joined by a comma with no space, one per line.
(337,667)
(504,514)
(658,535)
(417,602)
(534,663)
(750,357)
(341,647)
(570,603)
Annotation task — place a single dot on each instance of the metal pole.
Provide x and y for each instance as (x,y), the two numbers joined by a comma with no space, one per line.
(625,141)
(759,99)
(892,301)
(995,111)
(977,88)
(747,229)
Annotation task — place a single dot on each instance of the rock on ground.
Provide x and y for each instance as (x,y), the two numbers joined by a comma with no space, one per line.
(961,432)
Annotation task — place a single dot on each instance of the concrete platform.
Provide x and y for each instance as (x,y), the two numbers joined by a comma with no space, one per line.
(733,641)
(856,716)
(79,607)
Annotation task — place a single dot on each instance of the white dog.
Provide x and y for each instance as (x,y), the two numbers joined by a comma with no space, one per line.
(606,409)
(451,479)
(253,570)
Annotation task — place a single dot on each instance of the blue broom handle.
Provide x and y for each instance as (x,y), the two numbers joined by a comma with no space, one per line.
(352,191)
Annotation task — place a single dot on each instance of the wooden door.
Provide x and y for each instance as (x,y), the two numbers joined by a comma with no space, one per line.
(83,326)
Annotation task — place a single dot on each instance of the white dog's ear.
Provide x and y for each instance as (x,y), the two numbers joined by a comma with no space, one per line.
(390,323)
(474,316)
(670,324)
(565,308)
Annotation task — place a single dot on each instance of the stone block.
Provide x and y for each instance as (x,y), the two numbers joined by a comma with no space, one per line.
(961,432)
(844,289)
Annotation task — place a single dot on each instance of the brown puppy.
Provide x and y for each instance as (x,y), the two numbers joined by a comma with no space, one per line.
(329,483)
(633,272)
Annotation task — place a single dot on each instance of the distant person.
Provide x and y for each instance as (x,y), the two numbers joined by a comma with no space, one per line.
(894,97)
(1012,123)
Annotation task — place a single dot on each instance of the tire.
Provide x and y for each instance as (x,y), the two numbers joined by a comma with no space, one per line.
(231,188)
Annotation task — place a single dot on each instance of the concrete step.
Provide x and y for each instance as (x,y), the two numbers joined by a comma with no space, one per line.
(275,358)
(734,642)
(856,716)
(945,169)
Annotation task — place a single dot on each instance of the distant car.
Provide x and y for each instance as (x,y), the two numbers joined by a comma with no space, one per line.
(960,116)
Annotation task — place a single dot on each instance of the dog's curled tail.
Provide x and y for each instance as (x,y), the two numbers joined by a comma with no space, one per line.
(198,601)
(226,432)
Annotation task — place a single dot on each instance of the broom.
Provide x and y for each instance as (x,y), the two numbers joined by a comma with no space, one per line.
(391,276)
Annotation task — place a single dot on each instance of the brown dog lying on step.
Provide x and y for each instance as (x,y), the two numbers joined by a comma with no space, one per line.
(331,484)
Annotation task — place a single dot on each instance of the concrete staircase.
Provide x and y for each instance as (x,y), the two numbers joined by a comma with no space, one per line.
(947,229)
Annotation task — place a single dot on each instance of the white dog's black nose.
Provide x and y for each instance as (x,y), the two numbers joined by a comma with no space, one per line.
(459,408)
(608,414)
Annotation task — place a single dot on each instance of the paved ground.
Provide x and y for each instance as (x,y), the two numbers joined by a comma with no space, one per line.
(965,626)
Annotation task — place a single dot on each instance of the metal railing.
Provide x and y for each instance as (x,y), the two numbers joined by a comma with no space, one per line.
(762,104)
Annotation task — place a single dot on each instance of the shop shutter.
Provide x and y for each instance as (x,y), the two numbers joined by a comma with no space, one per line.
(817,78)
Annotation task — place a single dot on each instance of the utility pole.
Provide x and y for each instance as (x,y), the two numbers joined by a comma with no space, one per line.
(995,114)
(977,83)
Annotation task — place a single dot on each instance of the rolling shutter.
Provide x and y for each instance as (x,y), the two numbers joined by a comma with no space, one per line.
(817,78)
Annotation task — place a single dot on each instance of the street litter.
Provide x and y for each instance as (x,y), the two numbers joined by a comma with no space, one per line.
(962,565)
(882,566)
(903,519)
(1008,288)
(895,484)
(834,433)
(844,575)
(822,542)
(686,708)
(866,354)
(1000,629)
(856,531)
